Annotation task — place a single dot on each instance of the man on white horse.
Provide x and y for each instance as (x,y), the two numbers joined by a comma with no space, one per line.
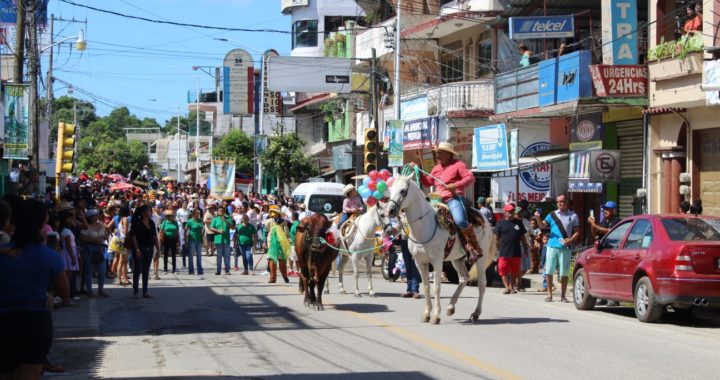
(450,177)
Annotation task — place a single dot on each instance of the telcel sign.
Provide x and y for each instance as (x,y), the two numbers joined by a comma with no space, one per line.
(542,27)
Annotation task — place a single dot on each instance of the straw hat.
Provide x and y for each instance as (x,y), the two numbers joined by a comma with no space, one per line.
(348,188)
(446,146)
(274,209)
(169,213)
(64,206)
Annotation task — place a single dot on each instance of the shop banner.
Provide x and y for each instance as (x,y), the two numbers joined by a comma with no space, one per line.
(394,133)
(491,149)
(579,174)
(620,80)
(222,177)
(17,137)
(619,32)
(420,133)
(586,132)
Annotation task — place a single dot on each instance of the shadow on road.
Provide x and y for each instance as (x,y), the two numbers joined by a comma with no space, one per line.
(512,321)
(684,318)
(363,308)
(411,375)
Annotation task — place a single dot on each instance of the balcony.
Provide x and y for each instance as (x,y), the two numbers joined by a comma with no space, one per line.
(517,90)
(463,99)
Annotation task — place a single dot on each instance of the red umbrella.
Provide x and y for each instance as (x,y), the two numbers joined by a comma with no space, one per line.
(116,177)
(120,186)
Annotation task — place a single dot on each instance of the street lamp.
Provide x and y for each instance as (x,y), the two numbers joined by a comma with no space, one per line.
(178,134)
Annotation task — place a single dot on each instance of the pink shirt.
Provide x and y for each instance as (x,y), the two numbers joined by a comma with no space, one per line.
(455,172)
(352,203)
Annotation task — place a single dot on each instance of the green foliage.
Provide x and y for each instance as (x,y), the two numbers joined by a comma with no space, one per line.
(188,124)
(331,110)
(285,158)
(680,48)
(95,155)
(236,144)
(63,112)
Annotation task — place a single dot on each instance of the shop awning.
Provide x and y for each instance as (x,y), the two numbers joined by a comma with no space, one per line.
(662,110)
(314,100)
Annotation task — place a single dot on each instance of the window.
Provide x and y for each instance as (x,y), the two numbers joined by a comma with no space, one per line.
(484,55)
(641,235)
(305,34)
(326,203)
(692,228)
(451,62)
(614,237)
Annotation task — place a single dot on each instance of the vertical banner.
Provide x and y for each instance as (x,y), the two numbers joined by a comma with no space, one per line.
(222,177)
(271,99)
(619,27)
(394,132)
(513,142)
(17,138)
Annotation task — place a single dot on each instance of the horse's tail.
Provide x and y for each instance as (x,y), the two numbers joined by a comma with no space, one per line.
(492,252)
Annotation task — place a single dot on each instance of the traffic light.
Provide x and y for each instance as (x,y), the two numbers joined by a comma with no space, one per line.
(370,151)
(65,155)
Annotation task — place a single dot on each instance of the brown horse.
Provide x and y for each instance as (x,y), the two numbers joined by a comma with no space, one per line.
(315,257)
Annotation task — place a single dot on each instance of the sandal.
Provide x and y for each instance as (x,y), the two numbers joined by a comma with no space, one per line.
(548,299)
(506,291)
(564,300)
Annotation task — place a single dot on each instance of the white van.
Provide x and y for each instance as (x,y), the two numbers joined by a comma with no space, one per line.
(324,197)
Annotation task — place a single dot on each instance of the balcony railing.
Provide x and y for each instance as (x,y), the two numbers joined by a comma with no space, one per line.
(463,96)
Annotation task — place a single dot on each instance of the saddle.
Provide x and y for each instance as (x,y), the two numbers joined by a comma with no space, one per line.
(347,227)
(445,221)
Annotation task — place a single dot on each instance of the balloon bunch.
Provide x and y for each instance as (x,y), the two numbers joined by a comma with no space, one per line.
(374,186)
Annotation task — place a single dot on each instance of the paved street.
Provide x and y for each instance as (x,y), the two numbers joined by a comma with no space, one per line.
(240,326)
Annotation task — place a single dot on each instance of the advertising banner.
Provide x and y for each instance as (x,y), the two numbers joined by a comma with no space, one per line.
(238,73)
(579,174)
(586,131)
(491,149)
(8,12)
(271,99)
(17,137)
(542,27)
(619,28)
(310,74)
(394,131)
(222,177)
(535,180)
(620,80)
(420,133)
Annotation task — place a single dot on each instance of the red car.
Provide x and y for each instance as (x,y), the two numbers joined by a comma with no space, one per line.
(654,261)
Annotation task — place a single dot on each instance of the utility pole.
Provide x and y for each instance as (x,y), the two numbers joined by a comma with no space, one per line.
(34,120)
(197,132)
(19,42)
(50,95)
(373,103)
(397,68)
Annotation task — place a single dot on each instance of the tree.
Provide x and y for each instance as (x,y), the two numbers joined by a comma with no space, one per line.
(285,158)
(96,155)
(236,144)
(188,124)
(63,112)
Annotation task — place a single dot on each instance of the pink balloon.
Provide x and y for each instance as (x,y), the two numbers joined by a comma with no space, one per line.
(373,174)
(372,185)
(371,201)
(390,181)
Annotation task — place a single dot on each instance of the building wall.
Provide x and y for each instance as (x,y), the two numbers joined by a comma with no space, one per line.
(317,10)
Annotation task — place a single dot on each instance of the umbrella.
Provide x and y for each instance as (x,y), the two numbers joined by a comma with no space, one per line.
(121,186)
(116,177)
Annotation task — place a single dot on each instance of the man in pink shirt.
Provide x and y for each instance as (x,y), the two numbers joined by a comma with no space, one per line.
(453,176)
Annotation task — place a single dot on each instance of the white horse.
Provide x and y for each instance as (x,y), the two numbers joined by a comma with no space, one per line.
(426,242)
(360,241)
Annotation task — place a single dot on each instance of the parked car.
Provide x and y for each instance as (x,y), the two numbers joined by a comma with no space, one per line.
(654,261)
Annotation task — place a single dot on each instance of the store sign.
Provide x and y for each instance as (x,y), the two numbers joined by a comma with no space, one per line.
(604,165)
(579,174)
(238,73)
(620,80)
(271,99)
(420,133)
(491,149)
(619,28)
(586,132)
(542,27)
(538,177)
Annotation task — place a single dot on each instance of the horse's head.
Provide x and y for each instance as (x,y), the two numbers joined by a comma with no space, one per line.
(376,212)
(398,196)
(315,227)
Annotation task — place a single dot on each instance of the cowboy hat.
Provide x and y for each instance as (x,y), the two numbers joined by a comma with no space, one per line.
(348,188)
(274,209)
(64,206)
(446,146)
(169,213)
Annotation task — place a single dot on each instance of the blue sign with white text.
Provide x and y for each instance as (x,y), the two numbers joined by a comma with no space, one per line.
(542,27)
(491,148)
(624,32)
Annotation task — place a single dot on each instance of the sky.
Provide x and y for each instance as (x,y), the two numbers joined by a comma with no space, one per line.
(128,62)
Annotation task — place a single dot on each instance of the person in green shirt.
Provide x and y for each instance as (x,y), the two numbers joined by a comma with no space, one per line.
(246,235)
(293,255)
(169,238)
(194,238)
(220,226)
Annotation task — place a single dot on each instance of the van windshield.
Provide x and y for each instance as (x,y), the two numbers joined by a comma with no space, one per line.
(325,203)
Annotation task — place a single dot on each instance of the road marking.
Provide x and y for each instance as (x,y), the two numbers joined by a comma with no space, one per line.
(487,367)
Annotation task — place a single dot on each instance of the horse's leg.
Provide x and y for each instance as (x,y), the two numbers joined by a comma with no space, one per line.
(482,283)
(437,265)
(356,273)
(463,277)
(368,261)
(425,275)
(341,269)
(322,277)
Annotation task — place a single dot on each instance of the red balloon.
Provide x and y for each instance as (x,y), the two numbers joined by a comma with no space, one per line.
(385,174)
(371,201)
(372,185)
(373,174)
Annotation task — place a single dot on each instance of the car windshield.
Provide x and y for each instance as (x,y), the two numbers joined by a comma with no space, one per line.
(688,229)
(326,204)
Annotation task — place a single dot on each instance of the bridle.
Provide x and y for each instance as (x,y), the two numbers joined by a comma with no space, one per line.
(409,223)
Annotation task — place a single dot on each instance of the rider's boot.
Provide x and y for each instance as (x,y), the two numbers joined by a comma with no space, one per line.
(282,264)
(472,246)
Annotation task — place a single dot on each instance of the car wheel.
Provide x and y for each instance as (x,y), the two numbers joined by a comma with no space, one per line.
(646,308)
(581,293)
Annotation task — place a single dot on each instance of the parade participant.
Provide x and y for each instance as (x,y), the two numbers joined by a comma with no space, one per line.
(122,226)
(294,218)
(194,238)
(352,205)
(157,218)
(143,235)
(209,236)
(69,247)
(246,235)
(169,239)
(278,243)
(564,232)
(220,227)
(26,326)
(452,178)
(94,237)
(510,233)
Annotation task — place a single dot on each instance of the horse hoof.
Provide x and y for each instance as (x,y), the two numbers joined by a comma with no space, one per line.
(319,307)
(474,317)
(450,310)
(357,295)
(327,291)
(343,291)
(435,321)
(372,295)
(425,319)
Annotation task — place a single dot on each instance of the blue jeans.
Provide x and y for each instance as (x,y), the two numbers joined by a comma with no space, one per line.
(223,253)
(411,271)
(247,256)
(195,249)
(142,265)
(91,249)
(457,209)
